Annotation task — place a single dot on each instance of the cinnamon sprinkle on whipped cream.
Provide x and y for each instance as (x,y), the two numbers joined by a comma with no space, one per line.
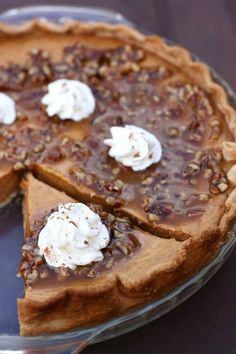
(134,147)
(69,99)
(73,236)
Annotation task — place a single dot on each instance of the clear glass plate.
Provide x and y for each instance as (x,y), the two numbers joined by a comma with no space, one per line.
(11,230)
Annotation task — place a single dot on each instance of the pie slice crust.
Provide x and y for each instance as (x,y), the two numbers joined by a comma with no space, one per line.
(154,269)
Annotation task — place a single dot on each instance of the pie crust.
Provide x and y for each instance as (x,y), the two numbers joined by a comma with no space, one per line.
(160,264)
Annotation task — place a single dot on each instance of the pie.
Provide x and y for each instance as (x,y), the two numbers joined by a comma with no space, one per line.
(165,221)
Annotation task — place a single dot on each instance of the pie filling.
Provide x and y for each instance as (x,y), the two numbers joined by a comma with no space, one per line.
(176,191)
(124,242)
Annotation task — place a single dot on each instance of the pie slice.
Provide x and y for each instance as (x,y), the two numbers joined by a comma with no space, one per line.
(136,267)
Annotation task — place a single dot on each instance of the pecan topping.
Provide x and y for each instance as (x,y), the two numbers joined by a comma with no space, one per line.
(180,114)
(55,154)
(123,242)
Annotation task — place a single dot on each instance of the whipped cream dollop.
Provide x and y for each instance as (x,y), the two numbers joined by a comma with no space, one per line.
(7,109)
(134,147)
(74,235)
(69,99)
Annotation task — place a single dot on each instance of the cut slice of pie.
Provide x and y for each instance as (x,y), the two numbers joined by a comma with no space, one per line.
(136,268)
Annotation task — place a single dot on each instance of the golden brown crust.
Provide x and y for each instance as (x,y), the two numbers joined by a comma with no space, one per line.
(82,304)
(97,300)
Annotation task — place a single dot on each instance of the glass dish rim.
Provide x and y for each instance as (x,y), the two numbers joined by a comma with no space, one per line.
(93,334)
(77,10)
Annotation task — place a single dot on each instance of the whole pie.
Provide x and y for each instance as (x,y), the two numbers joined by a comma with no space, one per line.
(125,150)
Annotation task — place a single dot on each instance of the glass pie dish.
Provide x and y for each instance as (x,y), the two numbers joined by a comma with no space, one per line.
(10,242)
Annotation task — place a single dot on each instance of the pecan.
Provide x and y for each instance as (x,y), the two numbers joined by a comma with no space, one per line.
(194,131)
(192,169)
(215,129)
(55,154)
(32,277)
(147,181)
(118,234)
(92,273)
(27,248)
(222,187)
(231,175)
(112,187)
(18,166)
(203,196)
(194,100)
(109,263)
(38,148)
(110,200)
(153,217)
(208,173)
(109,217)
(160,209)
(123,247)
(48,138)
(65,140)
(22,155)
(44,274)
(219,183)
(175,111)
(117,203)
(172,132)
(120,184)
(134,240)
(103,70)
(38,261)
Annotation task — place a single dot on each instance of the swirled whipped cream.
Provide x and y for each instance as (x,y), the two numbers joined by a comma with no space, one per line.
(134,147)
(7,109)
(74,235)
(69,99)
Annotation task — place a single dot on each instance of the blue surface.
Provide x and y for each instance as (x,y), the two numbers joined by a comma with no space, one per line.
(11,238)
